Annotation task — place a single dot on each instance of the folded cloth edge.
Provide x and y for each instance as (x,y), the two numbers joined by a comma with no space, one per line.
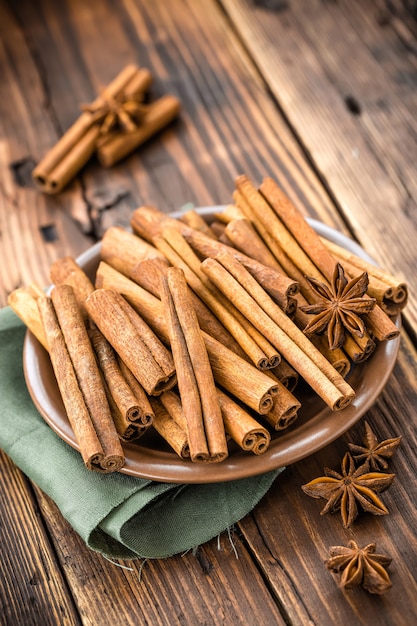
(117,515)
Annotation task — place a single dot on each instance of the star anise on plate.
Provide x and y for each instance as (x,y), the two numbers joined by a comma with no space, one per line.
(360,566)
(373,451)
(339,307)
(349,488)
(117,113)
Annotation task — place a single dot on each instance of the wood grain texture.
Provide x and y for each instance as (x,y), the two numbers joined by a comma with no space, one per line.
(192,588)
(228,125)
(347,85)
(318,95)
(32,588)
(292,546)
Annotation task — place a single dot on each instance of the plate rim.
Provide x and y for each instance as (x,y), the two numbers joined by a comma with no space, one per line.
(164,466)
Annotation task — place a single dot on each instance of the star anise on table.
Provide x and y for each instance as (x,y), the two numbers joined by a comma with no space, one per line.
(373,451)
(339,307)
(360,566)
(117,113)
(344,491)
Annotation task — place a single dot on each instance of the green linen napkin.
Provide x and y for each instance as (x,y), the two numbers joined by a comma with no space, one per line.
(115,514)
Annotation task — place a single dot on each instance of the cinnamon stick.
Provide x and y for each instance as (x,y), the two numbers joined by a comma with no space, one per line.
(230,370)
(88,373)
(128,431)
(169,430)
(143,401)
(110,312)
(148,222)
(79,418)
(390,292)
(181,256)
(379,324)
(194,373)
(279,329)
(147,274)
(78,144)
(245,238)
(197,221)
(117,385)
(23,301)
(67,271)
(123,250)
(242,427)
(172,403)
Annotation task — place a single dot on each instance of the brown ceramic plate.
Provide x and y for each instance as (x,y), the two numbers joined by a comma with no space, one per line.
(150,458)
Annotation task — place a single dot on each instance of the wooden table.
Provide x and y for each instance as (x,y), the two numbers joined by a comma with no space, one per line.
(320,95)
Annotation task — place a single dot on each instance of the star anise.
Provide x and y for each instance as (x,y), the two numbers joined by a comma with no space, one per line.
(117,113)
(360,566)
(373,451)
(351,487)
(339,306)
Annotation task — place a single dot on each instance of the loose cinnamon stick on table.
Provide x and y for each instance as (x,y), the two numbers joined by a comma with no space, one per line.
(78,144)
(23,301)
(79,418)
(230,370)
(109,311)
(279,329)
(193,367)
(114,147)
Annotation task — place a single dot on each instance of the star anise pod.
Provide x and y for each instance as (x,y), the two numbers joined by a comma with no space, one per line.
(360,566)
(339,306)
(373,451)
(351,487)
(117,113)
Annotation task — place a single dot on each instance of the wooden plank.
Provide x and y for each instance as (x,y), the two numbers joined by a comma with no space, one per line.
(291,541)
(35,229)
(228,125)
(217,584)
(32,588)
(347,85)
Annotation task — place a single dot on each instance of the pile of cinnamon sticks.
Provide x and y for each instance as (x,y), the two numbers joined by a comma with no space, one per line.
(195,329)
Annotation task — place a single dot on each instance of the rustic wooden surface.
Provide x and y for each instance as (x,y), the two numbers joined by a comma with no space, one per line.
(320,95)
